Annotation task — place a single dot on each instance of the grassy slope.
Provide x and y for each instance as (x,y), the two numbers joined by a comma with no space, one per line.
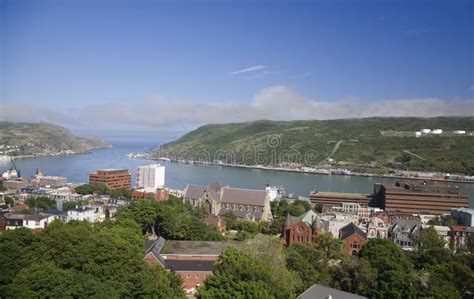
(363,147)
(45,138)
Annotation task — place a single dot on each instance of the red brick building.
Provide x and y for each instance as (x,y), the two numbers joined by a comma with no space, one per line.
(113,178)
(192,260)
(412,197)
(353,238)
(302,229)
(158,195)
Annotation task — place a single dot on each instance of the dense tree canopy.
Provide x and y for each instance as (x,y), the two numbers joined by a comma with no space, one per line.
(171,219)
(81,260)
(256,271)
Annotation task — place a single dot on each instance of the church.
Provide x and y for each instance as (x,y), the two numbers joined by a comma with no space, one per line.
(218,199)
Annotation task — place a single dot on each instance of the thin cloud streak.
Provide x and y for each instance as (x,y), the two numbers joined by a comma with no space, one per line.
(249,69)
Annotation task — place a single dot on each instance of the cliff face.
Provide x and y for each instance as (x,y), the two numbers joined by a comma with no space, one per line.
(43,139)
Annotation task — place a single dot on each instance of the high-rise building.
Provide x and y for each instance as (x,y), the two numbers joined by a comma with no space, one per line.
(113,178)
(151,177)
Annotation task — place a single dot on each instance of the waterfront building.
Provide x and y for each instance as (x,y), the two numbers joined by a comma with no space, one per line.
(41,180)
(151,177)
(218,199)
(338,198)
(421,196)
(193,261)
(112,178)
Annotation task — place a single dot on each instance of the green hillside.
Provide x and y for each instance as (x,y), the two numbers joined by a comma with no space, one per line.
(42,139)
(377,145)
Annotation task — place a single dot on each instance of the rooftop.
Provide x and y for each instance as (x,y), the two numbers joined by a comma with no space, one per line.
(34,217)
(195,247)
(351,229)
(189,265)
(340,194)
(317,291)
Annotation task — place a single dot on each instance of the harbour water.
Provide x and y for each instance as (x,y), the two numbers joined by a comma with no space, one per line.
(77,167)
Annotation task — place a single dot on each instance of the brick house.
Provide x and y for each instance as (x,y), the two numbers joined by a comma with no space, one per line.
(353,238)
(303,228)
(193,261)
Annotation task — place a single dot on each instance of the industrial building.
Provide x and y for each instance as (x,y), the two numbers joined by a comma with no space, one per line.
(420,196)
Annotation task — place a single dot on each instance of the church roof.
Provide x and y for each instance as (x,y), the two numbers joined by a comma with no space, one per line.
(351,229)
(244,196)
(194,191)
(218,185)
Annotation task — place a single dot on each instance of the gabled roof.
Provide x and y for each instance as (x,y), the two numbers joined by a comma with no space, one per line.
(244,196)
(218,185)
(317,291)
(194,191)
(308,217)
(405,225)
(154,247)
(350,230)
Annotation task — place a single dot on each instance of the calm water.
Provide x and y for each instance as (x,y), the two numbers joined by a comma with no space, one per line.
(77,167)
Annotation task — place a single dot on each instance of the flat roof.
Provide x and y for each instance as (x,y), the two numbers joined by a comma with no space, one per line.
(35,217)
(196,247)
(186,265)
(340,194)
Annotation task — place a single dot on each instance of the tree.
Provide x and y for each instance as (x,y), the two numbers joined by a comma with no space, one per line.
(330,245)
(43,203)
(72,204)
(428,239)
(84,189)
(80,260)
(238,275)
(354,275)
(42,280)
(9,200)
(145,213)
(396,277)
(2,187)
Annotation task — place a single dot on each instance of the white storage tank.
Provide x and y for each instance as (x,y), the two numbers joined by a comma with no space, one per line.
(437,131)
(425,131)
(418,134)
(459,132)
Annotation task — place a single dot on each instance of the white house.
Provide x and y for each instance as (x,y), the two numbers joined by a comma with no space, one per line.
(35,221)
(81,214)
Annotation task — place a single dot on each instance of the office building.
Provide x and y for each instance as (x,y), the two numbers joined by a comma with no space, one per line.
(151,177)
(113,178)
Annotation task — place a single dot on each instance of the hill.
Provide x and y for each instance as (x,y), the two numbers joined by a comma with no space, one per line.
(17,139)
(373,145)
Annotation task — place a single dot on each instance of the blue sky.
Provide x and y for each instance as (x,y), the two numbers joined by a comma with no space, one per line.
(83,62)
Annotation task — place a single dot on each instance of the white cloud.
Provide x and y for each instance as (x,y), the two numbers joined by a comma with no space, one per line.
(275,103)
(249,69)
